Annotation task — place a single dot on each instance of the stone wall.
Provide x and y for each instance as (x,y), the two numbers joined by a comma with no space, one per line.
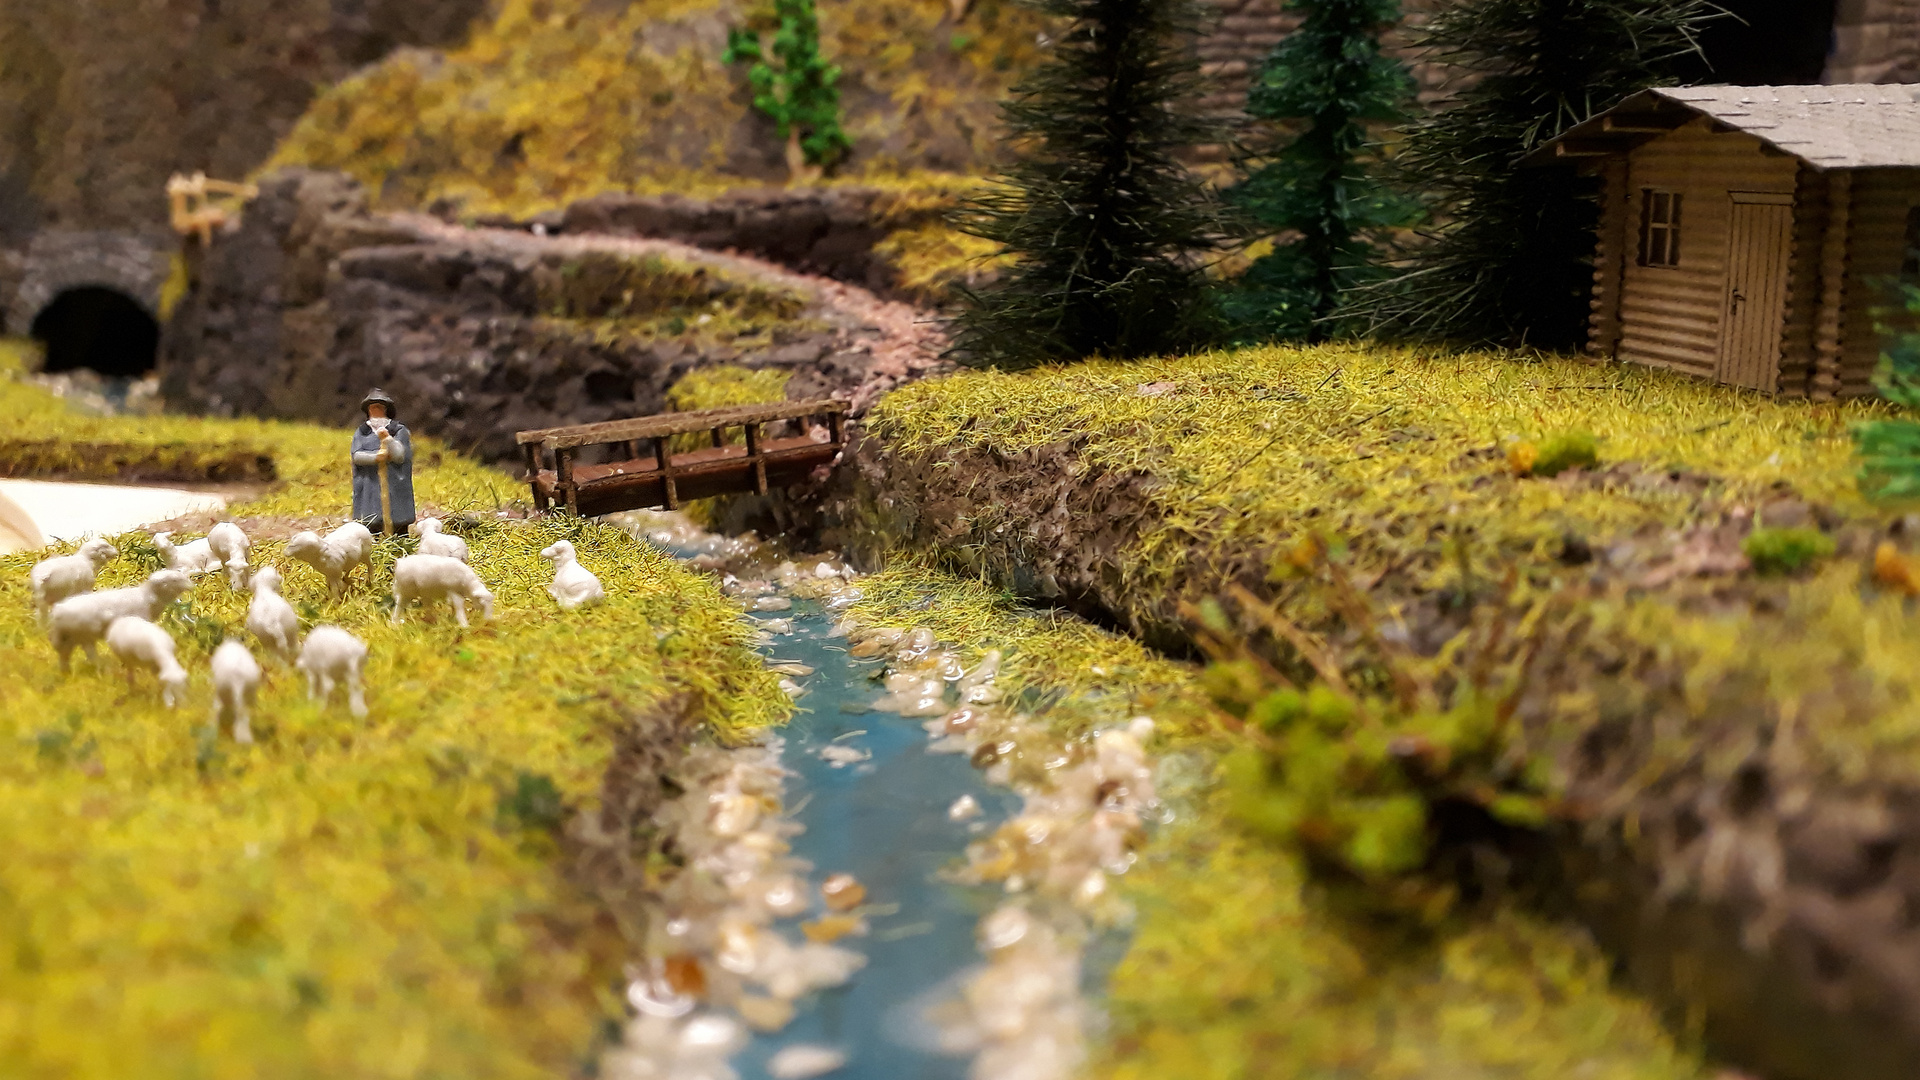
(1875,41)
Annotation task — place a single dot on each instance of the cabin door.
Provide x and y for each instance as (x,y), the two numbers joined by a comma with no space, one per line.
(1758,246)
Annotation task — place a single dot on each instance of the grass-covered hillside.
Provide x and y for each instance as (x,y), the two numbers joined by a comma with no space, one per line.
(389,896)
(557,100)
(1643,621)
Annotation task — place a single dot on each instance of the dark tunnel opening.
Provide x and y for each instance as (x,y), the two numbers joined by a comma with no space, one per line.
(98,328)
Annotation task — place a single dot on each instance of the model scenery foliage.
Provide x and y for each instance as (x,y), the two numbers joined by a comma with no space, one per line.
(797,88)
(1321,190)
(1890,448)
(1506,262)
(1106,225)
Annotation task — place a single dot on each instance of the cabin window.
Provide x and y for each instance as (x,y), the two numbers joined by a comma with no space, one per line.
(1659,227)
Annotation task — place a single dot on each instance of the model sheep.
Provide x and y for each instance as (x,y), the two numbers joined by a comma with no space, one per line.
(346,547)
(236,679)
(193,558)
(332,657)
(62,576)
(574,586)
(437,577)
(270,618)
(435,542)
(231,546)
(137,643)
(81,621)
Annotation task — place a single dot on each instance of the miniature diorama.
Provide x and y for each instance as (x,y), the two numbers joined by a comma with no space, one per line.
(1017,541)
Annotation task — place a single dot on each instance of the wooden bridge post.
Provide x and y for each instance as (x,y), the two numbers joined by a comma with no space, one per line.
(837,428)
(540,500)
(719,437)
(563,478)
(759,461)
(664,462)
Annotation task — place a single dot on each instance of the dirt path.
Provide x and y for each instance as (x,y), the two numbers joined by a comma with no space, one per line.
(904,341)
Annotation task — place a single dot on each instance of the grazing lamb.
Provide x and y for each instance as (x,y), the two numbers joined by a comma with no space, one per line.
(135,642)
(83,620)
(270,618)
(436,577)
(231,546)
(574,586)
(193,558)
(331,657)
(236,678)
(435,542)
(62,576)
(346,547)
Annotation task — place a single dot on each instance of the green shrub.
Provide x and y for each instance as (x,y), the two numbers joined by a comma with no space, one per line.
(801,95)
(1783,551)
(1567,450)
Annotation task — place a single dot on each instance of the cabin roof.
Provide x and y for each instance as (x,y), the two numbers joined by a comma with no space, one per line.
(1854,126)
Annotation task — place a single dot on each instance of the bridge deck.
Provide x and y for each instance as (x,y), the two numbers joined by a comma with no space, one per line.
(657,477)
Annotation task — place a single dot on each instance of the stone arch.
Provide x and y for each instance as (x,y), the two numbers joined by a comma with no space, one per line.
(61,261)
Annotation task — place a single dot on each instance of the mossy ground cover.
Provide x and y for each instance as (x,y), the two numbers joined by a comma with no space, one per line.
(1397,451)
(1240,963)
(377,897)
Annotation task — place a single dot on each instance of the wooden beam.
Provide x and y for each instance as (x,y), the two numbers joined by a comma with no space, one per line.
(1644,123)
(648,427)
(1582,148)
(1829,326)
(759,459)
(665,464)
(563,480)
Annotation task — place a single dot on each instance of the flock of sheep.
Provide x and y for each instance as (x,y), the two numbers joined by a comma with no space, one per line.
(76,616)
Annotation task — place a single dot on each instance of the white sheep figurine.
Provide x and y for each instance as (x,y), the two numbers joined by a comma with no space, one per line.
(437,577)
(236,679)
(346,547)
(62,576)
(332,657)
(574,586)
(230,546)
(192,558)
(137,643)
(269,617)
(435,542)
(83,620)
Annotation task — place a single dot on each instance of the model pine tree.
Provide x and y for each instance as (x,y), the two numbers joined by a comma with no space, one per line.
(1508,261)
(1103,220)
(1321,191)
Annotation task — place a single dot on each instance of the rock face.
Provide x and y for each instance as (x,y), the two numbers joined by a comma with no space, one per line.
(830,231)
(310,300)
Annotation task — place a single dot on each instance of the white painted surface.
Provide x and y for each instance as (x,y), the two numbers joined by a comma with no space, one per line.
(76,511)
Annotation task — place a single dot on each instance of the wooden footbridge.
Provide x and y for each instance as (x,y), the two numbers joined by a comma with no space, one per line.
(591,469)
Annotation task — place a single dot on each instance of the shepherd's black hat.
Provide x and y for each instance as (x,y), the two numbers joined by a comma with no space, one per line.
(381,396)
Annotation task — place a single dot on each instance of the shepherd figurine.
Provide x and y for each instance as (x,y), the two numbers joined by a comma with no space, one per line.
(382,496)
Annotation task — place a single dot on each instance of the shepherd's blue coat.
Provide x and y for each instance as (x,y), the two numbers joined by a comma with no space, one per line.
(366,478)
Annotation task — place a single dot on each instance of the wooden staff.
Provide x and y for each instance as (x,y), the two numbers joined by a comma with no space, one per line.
(386,498)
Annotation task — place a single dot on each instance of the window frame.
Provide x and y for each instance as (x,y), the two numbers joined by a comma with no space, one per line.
(1665,232)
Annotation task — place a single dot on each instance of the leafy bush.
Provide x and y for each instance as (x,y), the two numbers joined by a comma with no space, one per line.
(1352,775)
(801,95)
(1890,449)
(1784,551)
(1566,450)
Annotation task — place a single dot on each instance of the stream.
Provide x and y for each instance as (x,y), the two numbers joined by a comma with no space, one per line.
(880,890)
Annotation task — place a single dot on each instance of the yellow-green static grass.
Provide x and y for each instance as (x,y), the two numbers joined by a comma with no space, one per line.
(1238,965)
(346,897)
(1256,445)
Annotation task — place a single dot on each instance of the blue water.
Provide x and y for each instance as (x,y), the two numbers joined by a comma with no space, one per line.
(885,822)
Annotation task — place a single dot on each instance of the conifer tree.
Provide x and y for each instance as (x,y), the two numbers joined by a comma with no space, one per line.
(1509,260)
(1321,187)
(1103,220)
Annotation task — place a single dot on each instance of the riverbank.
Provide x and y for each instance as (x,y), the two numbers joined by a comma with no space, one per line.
(1714,716)
(404,895)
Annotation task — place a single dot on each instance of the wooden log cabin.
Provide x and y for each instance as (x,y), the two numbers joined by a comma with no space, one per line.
(1753,234)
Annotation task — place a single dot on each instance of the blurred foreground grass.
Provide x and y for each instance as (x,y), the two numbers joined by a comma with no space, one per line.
(379,897)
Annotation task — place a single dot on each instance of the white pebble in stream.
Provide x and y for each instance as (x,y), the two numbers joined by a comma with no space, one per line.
(964,808)
(803,1061)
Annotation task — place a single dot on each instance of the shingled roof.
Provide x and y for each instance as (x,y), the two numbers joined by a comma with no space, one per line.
(1858,126)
